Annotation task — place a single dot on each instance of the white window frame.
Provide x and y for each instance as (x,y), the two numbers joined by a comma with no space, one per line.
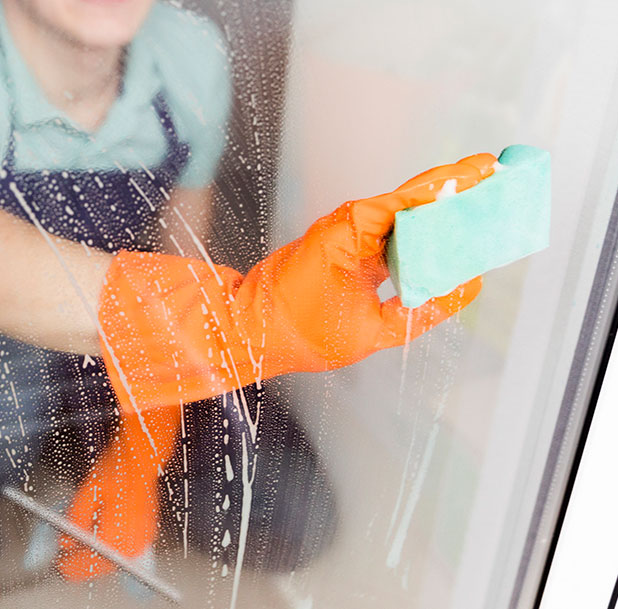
(584,567)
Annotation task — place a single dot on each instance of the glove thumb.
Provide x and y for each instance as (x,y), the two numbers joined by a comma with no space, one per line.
(401,324)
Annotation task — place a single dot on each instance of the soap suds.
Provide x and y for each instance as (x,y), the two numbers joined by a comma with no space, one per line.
(448,189)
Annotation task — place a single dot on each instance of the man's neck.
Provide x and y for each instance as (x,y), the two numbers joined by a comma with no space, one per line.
(81,81)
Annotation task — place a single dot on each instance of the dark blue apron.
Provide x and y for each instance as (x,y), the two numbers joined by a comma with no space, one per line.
(58,397)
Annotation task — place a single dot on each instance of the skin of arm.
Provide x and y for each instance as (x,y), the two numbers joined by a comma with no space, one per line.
(50,286)
(44,301)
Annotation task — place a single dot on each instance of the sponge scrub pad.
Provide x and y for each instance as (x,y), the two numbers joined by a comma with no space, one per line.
(505,217)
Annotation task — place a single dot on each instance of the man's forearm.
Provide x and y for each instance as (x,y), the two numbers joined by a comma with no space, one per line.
(49,288)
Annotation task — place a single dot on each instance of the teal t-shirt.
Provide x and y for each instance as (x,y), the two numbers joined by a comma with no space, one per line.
(175,53)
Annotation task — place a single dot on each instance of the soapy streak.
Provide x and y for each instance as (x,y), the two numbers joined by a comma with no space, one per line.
(247,497)
(412,445)
(404,357)
(252,424)
(247,482)
(243,398)
(208,260)
(21,423)
(185,472)
(199,245)
(123,379)
(8,452)
(142,194)
(404,478)
(404,367)
(394,555)
(202,250)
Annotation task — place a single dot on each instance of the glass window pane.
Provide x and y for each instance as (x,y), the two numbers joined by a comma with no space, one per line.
(181,423)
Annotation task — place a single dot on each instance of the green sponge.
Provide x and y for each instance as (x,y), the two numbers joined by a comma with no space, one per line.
(436,247)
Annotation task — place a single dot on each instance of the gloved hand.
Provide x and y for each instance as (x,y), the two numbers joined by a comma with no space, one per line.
(180,329)
(118,500)
(177,330)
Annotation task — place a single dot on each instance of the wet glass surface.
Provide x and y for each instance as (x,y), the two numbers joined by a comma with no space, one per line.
(275,475)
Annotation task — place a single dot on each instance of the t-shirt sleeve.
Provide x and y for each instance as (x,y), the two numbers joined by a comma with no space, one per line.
(192,57)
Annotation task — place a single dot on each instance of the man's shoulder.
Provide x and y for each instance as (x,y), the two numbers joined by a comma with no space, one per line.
(191,56)
(182,26)
(184,44)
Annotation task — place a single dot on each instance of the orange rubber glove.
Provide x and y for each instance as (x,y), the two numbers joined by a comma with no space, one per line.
(118,499)
(178,330)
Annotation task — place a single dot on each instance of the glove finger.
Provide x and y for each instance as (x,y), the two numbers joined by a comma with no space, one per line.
(373,218)
(424,187)
(83,563)
(82,514)
(75,561)
(125,522)
(484,162)
(401,324)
